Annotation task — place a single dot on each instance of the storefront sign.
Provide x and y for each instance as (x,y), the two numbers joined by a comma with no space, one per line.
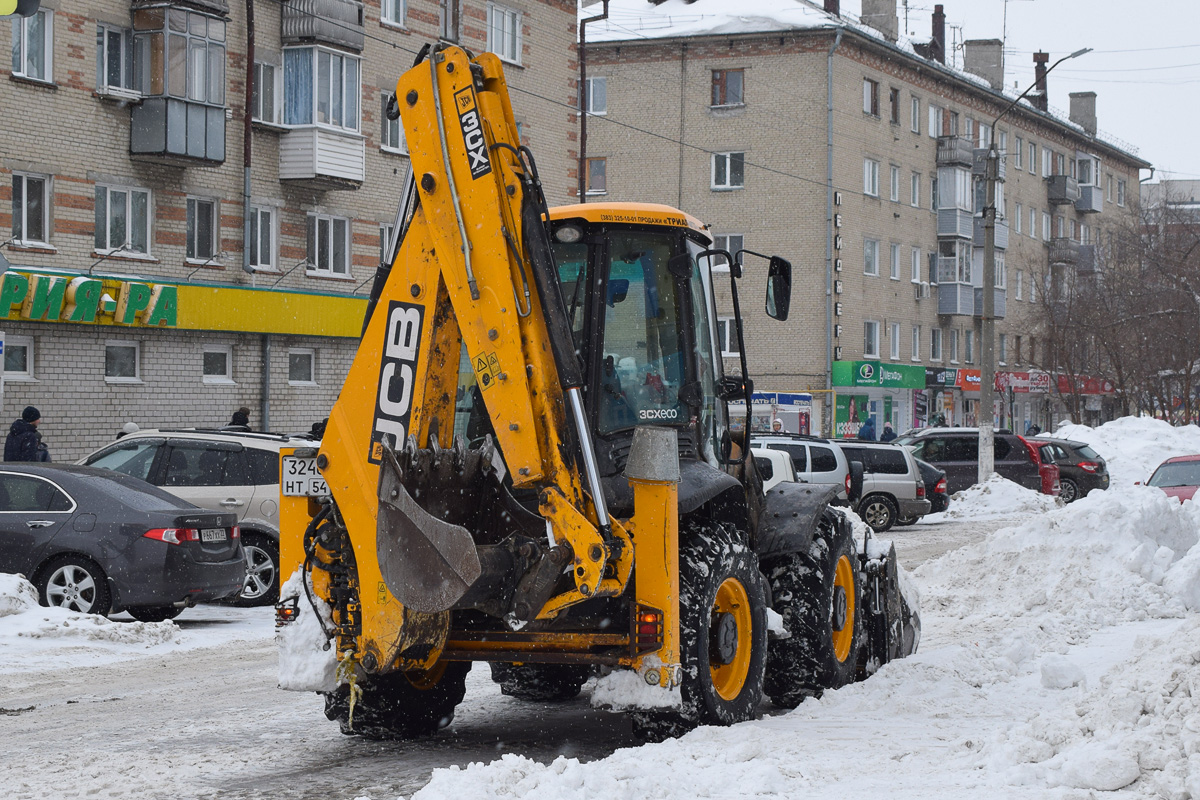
(874,373)
(82,298)
(940,378)
(968,380)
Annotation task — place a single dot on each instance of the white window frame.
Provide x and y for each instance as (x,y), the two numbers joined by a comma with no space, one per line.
(727,336)
(935,121)
(724,241)
(271,262)
(590,106)
(916,343)
(504,32)
(916,114)
(914,190)
(728,158)
(26,342)
(1019,217)
(969,346)
(870,177)
(894,261)
(308,114)
(1020,287)
(588,178)
(894,341)
(1032,232)
(870,339)
(1002,349)
(915,266)
(935,344)
(43,72)
(391,134)
(895,183)
(312,366)
(126,87)
(1031,162)
(953,346)
(871,97)
(137,361)
(126,246)
(871,257)
(393,12)
(386,229)
(1047,162)
(275,92)
(312,231)
(1019,154)
(193,231)
(1047,231)
(47,197)
(225,378)
(1121,192)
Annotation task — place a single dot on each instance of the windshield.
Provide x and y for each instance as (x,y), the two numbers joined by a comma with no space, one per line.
(1180,473)
(1086,452)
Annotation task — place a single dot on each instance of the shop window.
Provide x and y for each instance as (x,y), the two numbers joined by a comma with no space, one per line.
(217,364)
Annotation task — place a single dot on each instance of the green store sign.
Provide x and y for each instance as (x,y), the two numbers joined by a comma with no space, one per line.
(875,373)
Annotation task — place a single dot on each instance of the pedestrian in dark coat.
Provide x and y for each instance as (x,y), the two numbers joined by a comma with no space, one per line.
(241,417)
(867,431)
(888,433)
(23,437)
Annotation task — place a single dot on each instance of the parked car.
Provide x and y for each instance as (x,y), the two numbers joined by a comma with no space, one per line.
(892,487)
(1080,468)
(774,467)
(224,470)
(1178,477)
(99,542)
(815,460)
(935,491)
(956,451)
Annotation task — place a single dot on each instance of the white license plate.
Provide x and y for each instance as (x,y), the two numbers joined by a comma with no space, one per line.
(212,534)
(301,478)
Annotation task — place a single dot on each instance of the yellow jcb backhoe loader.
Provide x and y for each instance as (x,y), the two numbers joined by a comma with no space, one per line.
(531,462)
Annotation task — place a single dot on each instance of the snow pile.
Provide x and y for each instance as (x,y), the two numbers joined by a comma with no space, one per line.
(1134,446)
(17,595)
(625,689)
(995,497)
(307,660)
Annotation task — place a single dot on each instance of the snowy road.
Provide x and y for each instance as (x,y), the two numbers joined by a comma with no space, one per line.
(209,722)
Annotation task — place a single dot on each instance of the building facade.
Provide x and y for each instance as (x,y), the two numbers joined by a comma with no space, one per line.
(859,156)
(139,289)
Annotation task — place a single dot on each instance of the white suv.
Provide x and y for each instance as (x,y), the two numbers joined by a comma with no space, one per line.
(816,460)
(218,469)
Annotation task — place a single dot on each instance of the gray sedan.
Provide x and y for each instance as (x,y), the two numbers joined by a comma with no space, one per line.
(99,542)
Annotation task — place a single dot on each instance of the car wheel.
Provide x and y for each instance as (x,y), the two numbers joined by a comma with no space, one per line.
(1068,490)
(75,583)
(262,571)
(154,613)
(878,511)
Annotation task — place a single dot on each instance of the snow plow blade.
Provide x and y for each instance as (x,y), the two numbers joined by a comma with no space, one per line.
(892,606)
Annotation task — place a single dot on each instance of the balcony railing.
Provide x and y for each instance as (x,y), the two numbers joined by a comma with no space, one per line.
(1091,200)
(1000,304)
(322,157)
(955,222)
(175,131)
(955,150)
(336,22)
(956,298)
(1062,189)
(1064,251)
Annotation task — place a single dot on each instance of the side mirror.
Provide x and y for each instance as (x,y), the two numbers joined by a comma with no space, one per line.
(779,288)
(732,387)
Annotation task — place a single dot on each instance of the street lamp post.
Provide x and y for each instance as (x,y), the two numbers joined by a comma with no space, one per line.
(987,333)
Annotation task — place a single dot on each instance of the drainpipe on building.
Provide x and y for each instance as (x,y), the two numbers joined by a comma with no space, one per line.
(247,130)
(829,234)
(266,381)
(682,97)
(583,111)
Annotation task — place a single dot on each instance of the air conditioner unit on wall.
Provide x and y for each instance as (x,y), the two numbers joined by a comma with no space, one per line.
(921,290)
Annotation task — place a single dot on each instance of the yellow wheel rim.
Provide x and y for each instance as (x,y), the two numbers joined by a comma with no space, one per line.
(426,679)
(843,637)
(728,679)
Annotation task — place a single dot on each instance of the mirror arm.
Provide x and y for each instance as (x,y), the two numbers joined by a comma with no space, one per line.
(748,384)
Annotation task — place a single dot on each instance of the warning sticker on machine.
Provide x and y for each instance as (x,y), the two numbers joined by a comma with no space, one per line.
(472,131)
(487,367)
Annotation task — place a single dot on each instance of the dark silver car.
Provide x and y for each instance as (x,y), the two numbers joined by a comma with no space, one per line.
(99,542)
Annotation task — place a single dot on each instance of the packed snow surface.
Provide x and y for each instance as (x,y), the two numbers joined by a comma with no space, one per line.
(1134,446)
(995,497)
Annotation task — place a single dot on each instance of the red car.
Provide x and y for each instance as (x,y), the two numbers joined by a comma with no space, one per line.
(1178,477)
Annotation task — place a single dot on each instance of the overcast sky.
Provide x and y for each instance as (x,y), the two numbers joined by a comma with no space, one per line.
(1145,68)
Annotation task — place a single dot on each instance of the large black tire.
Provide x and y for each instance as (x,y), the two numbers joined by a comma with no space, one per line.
(401,705)
(879,511)
(154,613)
(723,635)
(540,683)
(76,583)
(818,595)
(1068,490)
(262,571)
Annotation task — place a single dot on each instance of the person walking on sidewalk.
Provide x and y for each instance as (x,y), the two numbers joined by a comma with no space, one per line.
(24,442)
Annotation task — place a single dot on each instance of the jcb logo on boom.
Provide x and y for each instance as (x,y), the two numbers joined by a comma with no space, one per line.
(397,371)
(472,131)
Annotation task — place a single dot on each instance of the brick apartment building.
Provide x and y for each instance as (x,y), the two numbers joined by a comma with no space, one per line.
(858,155)
(122,195)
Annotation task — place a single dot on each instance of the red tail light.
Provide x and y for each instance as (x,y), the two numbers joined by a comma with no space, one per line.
(173,535)
(847,484)
(920,490)
(235,532)
(1090,466)
(941,486)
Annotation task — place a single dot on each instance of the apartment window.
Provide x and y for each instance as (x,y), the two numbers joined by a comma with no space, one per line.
(895,184)
(954,257)
(916,115)
(953,347)
(122,219)
(1032,163)
(933,192)
(18,358)
(1108,188)
(1017,351)
(914,190)
(115,61)
(1120,192)
(870,257)
(969,346)
(727,86)
(985,134)
(201,229)
(597,175)
(969,130)
(386,230)
(1033,223)
(894,262)
(262,237)
(504,32)
(1020,287)
(1045,226)
(871,177)
(916,342)
(265,102)
(184,53)
(448,20)
(391,136)
(1003,143)
(727,334)
(936,116)
(728,170)
(392,11)
(1086,173)
(935,344)
(1060,226)
(302,366)
(322,87)
(871,339)
(950,124)
(894,341)
(32,46)
(894,105)
(870,97)
(122,362)
(328,245)
(733,242)
(1060,165)
(30,208)
(1018,153)
(1020,215)
(915,266)
(1032,299)
(1002,349)
(1001,273)
(595,96)
(217,364)
(1047,162)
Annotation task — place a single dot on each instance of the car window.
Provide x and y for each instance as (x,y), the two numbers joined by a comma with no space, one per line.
(823,459)
(29,493)
(263,466)
(856,454)
(138,496)
(199,465)
(1001,448)
(129,458)
(1180,473)
(961,448)
(889,462)
(1086,452)
(1048,453)
(766,470)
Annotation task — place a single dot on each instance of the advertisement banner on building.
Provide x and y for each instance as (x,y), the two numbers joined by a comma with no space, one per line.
(849,416)
(874,373)
(968,380)
(936,378)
